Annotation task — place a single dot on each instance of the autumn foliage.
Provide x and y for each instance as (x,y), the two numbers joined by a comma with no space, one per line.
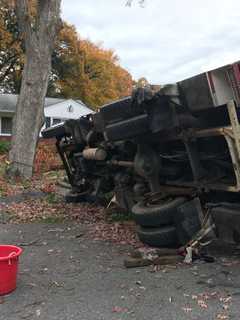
(80,69)
(11,50)
(46,158)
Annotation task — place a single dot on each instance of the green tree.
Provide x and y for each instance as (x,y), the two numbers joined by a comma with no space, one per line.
(11,50)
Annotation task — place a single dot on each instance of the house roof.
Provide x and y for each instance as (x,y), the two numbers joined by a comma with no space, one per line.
(8,102)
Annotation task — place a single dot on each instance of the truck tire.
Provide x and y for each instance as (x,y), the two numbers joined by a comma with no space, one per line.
(154,215)
(72,197)
(165,237)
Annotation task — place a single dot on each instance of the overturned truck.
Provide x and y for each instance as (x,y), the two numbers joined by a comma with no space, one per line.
(169,156)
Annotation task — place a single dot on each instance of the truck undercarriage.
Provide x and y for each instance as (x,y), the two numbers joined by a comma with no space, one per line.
(168,156)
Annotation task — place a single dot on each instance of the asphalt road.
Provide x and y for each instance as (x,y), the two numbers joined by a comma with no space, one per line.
(65,275)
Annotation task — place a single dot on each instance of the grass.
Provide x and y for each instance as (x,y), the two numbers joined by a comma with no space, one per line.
(4,146)
(52,219)
(52,198)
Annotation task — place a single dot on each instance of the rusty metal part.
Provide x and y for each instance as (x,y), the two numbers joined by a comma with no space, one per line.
(127,164)
(205,186)
(171,190)
(97,154)
(234,142)
(194,158)
(147,165)
(232,136)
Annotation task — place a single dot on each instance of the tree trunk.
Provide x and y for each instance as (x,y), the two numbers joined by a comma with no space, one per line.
(39,34)
(29,116)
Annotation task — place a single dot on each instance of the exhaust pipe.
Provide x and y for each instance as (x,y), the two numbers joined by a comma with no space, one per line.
(97,154)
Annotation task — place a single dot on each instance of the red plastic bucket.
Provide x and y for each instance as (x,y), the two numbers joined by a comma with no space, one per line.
(9,256)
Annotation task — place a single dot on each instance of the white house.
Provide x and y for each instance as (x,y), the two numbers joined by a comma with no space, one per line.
(55,111)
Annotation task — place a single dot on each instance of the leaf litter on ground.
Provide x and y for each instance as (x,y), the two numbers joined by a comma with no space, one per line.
(100,228)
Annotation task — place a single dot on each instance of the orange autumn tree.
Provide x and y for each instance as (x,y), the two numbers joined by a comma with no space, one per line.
(86,71)
(80,68)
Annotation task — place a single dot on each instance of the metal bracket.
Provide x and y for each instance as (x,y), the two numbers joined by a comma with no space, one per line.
(233,140)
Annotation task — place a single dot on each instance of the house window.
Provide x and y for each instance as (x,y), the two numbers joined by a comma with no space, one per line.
(6,125)
(56,121)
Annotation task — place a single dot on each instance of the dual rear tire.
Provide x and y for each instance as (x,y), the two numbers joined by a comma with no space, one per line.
(150,214)
(168,222)
(165,236)
(155,221)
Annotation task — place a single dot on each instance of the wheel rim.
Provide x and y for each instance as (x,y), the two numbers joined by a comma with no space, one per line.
(154,201)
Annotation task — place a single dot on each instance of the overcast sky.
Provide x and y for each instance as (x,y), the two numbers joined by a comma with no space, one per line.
(166,40)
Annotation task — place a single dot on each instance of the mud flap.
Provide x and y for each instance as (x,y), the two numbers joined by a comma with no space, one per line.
(227,221)
(188,220)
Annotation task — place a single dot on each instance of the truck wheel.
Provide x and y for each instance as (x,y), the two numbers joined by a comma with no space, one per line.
(72,197)
(164,237)
(150,214)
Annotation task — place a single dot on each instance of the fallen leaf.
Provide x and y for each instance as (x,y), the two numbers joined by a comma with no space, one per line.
(202,304)
(187,309)
(38,312)
(221,316)
(117,309)
(226,300)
